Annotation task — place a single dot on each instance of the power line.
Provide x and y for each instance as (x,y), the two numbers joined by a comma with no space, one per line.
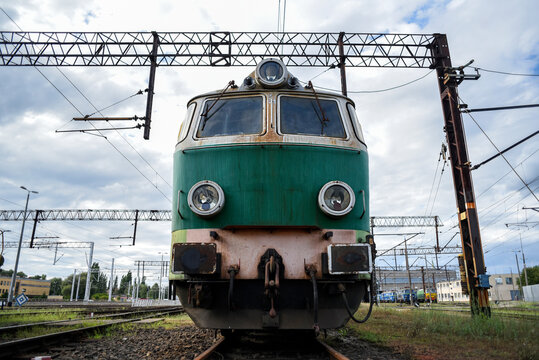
(371,91)
(504,72)
(465,109)
(500,153)
(128,143)
(507,173)
(505,150)
(497,217)
(140,92)
(11,202)
(80,112)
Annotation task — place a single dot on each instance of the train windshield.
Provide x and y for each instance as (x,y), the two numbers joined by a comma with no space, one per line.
(307,116)
(236,116)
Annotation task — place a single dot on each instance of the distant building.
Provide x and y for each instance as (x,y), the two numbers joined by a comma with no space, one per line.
(503,288)
(31,287)
(449,291)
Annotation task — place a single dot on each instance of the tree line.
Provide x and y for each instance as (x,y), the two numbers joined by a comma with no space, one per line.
(99,285)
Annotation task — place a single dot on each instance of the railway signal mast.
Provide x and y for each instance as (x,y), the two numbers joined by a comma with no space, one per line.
(294,49)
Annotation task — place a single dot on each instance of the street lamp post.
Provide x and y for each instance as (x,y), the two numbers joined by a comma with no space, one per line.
(161,274)
(14,276)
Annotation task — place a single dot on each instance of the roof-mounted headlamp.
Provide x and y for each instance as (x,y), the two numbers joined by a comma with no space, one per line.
(271,73)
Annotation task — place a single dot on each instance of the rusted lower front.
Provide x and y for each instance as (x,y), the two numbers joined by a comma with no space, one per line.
(270,278)
(245,247)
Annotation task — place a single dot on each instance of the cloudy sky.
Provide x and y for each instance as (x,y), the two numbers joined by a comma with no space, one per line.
(403,127)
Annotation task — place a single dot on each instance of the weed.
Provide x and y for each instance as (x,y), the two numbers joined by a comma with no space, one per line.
(451,335)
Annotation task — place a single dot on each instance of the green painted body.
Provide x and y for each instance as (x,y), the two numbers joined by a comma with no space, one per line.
(271,184)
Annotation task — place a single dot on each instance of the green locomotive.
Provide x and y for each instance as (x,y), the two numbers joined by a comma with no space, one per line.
(270,213)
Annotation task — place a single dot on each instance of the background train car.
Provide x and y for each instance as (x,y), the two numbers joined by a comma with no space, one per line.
(420,294)
(403,296)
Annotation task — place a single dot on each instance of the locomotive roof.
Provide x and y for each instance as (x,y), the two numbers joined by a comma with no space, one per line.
(256,83)
(240,90)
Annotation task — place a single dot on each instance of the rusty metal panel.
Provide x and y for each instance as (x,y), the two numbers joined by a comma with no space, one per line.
(349,259)
(194,258)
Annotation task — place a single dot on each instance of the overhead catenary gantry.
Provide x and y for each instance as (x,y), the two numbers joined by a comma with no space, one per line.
(166,215)
(294,49)
(214,49)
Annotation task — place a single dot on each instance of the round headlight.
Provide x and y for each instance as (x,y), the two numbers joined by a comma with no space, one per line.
(206,198)
(271,73)
(336,198)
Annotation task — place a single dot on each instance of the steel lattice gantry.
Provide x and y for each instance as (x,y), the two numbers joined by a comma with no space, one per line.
(419,251)
(294,49)
(87,214)
(405,221)
(166,215)
(213,48)
(49,244)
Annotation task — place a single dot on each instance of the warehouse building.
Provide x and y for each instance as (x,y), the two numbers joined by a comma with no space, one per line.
(503,287)
(31,287)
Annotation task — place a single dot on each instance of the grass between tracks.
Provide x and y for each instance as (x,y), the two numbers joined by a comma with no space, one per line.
(426,335)
(45,330)
(14,318)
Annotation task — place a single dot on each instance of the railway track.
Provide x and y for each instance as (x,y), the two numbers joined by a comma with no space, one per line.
(11,347)
(283,345)
(494,314)
(103,316)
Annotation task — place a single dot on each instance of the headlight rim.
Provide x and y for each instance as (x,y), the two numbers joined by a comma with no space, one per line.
(330,212)
(216,209)
(267,83)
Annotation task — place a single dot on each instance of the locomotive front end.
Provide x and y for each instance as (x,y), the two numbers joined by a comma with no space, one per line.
(271,216)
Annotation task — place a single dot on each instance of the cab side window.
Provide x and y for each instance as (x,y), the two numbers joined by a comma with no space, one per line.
(186,123)
(355,122)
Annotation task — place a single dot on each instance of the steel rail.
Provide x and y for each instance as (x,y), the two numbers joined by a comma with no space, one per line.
(220,346)
(494,313)
(333,354)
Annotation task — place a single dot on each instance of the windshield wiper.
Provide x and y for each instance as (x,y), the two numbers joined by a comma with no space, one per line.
(205,114)
(324,120)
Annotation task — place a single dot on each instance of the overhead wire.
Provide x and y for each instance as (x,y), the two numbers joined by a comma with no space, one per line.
(99,111)
(372,91)
(11,202)
(438,187)
(140,92)
(503,72)
(503,213)
(80,112)
(498,150)
(507,173)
